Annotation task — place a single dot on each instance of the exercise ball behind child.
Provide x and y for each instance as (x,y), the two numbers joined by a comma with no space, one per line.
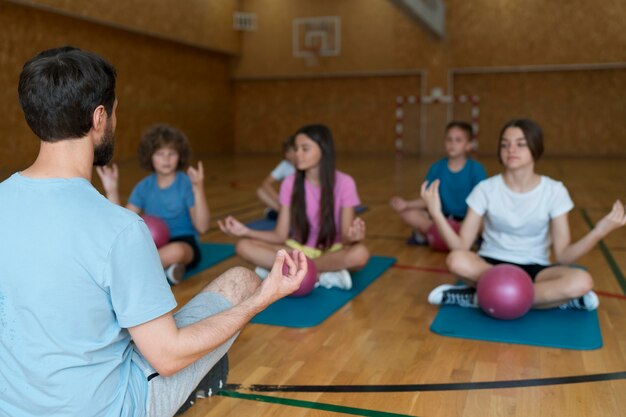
(158,229)
(309,281)
(505,292)
(435,240)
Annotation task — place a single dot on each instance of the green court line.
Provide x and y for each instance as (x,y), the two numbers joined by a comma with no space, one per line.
(308,404)
(607,255)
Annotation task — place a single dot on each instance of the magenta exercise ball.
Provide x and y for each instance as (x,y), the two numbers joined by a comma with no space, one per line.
(505,292)
(308,283)
(434,238)
(158,229)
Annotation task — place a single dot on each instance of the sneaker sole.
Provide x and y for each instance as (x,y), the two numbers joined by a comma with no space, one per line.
(594,301)
(177,275)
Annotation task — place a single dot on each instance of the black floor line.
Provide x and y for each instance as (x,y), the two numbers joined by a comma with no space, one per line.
(452,386)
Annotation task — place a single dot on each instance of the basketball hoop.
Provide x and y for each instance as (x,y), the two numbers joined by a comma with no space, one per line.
(315,37)
(312,57)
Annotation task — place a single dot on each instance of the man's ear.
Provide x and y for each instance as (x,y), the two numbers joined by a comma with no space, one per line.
(99,118)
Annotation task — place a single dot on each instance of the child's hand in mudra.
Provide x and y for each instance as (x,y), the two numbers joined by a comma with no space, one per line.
(233,227)
(430,195)
(398,204)
(356,231)
(196,175)
(615,219)
(109,177)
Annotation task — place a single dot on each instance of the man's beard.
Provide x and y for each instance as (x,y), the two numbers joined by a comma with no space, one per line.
(103,152)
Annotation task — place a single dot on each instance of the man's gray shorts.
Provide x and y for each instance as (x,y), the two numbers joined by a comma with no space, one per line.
(167,394)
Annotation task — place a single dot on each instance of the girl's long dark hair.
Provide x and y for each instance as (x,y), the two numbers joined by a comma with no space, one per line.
(321,135)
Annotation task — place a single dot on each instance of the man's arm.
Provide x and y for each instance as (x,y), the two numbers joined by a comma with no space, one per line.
(169,349)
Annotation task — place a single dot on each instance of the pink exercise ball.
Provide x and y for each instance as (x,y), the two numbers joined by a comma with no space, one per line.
(158,229)
(505,292)
(434,238)
(308,283)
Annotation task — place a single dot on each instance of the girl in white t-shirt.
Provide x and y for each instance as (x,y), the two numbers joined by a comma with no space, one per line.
(521,214)
(316,215)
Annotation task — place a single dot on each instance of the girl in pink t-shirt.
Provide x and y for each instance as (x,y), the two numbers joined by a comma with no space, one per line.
(317,205)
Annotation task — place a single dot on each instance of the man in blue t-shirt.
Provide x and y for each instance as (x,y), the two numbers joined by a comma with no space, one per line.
(457,175)
(86,323)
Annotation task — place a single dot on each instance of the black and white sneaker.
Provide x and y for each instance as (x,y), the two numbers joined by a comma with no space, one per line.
(461,295)
(270,214)
(587,302)
(210,385)
(417,239)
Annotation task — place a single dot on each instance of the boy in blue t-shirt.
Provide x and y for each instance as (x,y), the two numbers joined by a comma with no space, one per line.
(170,194)
(457,175)
(266,192)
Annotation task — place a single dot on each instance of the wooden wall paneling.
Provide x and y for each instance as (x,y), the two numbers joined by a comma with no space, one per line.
(359,110)
(200,23)
(158,81)
(376,36)
(582,112)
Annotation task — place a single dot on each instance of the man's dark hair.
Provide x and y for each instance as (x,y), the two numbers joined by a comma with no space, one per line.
(60,88)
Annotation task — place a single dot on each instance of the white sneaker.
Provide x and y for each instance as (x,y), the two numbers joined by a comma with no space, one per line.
(261,272)
(174,273)
(336,279)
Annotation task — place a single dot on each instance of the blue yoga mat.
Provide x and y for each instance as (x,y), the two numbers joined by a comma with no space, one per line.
(212,254)
(262,224)
(267,224)
(316,307)
(566,329)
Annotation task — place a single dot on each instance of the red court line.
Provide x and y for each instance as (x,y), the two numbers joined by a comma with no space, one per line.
(609,294)
(422,268)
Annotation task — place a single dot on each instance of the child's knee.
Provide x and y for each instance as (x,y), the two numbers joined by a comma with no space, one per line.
(242,247)
(358,256)
(182,250)
(176,252)
(580,283)
(457,261)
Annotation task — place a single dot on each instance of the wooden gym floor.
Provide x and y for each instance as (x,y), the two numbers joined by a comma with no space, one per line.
(382,338)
